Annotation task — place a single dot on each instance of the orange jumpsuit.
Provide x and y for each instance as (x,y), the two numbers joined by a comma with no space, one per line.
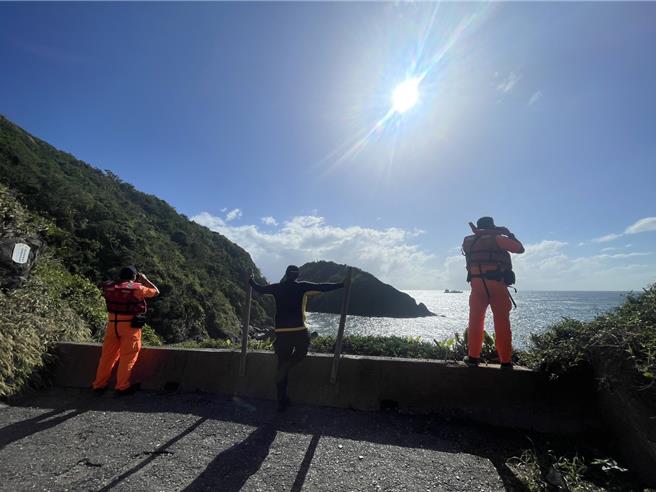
(122,343)
(499,300)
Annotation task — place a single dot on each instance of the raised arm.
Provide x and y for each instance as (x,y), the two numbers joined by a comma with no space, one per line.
(508,241)
(323,287)
(262,289)
(150,289)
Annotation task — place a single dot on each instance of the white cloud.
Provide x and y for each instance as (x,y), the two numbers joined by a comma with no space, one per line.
(606,238)
(210,221)
(547,266)
(224,209)
(622,255)
(535,98)
(642,225)
(507,84)
(269,221)
(233,214)
(393,256)
(387,253)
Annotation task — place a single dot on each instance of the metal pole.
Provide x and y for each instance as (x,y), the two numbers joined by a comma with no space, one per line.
(342,324)
(246,323)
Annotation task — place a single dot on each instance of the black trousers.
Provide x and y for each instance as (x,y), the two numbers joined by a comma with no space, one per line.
(290,349)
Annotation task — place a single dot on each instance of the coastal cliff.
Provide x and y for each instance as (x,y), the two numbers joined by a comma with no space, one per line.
(369,296)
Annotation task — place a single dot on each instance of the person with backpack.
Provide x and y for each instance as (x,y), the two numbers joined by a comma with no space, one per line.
(126,306)
(292,337)
(489,270)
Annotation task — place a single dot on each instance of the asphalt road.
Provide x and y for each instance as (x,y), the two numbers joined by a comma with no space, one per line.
(74,440)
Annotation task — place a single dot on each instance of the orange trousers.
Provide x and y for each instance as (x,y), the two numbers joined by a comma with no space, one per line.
(124,349)
(499,299)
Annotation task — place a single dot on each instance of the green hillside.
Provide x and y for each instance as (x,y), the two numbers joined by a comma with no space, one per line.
(103,223)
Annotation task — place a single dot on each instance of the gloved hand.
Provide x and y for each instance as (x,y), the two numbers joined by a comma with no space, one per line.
(504,230)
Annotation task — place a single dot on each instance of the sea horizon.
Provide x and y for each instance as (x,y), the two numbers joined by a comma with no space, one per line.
(536,311)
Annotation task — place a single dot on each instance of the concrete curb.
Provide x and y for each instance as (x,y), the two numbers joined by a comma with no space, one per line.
(520,398)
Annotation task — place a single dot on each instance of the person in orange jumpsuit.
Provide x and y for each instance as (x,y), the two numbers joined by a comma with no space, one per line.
(126,299)
(489,269)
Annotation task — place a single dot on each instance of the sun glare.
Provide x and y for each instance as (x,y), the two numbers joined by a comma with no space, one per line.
(405,95)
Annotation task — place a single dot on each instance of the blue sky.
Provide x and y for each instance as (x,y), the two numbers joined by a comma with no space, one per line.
(250,118)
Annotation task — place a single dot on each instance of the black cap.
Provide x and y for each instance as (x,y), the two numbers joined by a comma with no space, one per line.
(128,272)
(485,223)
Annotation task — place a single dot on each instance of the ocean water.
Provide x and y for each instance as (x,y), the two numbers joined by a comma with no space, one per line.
(535,311)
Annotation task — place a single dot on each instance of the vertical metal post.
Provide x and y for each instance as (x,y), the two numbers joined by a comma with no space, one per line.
(246,323)
(342,324)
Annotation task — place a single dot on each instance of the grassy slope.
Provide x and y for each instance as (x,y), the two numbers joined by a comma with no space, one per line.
(53,305)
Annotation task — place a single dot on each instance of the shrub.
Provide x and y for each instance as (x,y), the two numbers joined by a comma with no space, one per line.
(560,349)
(149,337)
(409,347)
(53,305)
(36,316)
(226,344)
(381,346)
(618,344)
(541,469)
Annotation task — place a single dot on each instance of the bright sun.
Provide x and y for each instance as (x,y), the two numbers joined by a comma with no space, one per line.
(405,95)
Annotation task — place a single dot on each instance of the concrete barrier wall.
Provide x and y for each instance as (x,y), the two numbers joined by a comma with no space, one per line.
(520,398)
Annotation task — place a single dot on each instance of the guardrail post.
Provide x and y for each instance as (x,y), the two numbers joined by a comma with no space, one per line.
(246,324)
(342,324)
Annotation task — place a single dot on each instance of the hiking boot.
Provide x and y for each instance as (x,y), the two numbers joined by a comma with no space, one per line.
(507,366)
(283,404)
(471,361)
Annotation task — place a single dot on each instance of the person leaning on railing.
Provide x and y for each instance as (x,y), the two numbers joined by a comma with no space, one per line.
(292,337)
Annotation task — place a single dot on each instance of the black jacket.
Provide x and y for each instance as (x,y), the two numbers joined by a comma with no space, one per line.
(289,296)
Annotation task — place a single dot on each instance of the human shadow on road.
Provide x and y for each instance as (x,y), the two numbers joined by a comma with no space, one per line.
(436,433)
(24,428)
(152,455)
(230,470)
(305,464)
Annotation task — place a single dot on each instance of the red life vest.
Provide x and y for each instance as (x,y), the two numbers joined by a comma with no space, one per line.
(483,250)
(124,298)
